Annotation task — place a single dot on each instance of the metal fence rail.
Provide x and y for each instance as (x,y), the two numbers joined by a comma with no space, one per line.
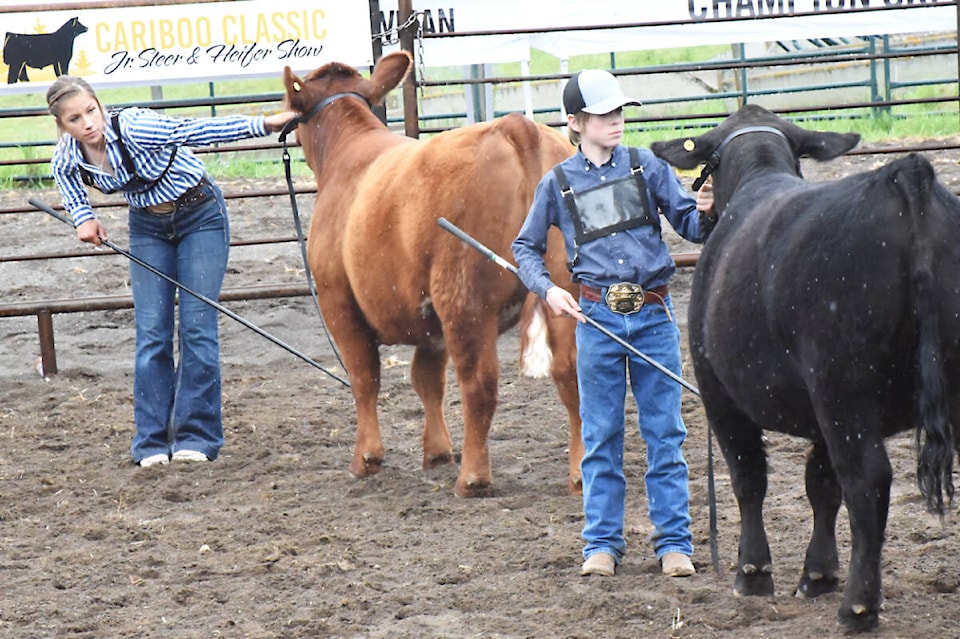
(44,310)
(870,85)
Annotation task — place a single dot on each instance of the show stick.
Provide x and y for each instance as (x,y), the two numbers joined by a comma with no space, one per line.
(499,261)
(256,329)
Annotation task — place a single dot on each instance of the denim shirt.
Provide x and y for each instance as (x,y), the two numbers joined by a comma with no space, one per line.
(637,255)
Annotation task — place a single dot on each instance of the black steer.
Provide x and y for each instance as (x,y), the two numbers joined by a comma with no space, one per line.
(38,50)
(828,311)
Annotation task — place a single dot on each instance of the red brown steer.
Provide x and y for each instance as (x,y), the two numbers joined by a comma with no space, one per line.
(386,273)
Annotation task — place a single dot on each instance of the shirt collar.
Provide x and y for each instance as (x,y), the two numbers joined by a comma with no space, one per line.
(588,165)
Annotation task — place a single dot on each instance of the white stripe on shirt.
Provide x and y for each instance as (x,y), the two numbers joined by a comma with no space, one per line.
(149,137)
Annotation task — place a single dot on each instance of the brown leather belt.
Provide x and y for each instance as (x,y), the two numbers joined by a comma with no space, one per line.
(652,296)
(191,196)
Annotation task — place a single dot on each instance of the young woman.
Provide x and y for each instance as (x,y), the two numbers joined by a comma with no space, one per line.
(178,224)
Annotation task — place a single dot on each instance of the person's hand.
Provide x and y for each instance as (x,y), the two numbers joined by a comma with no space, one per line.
(277,121)
(562,303)
(705,200)
(91,231)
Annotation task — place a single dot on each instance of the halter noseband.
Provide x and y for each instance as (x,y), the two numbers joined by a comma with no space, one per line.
(714,160)
(315,109)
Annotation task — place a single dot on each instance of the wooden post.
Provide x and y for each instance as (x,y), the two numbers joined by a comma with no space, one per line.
(380,110)
(411,116)
(48,349)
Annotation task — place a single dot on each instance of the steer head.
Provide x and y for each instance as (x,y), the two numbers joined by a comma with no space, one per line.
(772,146)
(334,78)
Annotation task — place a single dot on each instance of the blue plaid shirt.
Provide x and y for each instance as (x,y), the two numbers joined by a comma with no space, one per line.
(150,138)
(638,255)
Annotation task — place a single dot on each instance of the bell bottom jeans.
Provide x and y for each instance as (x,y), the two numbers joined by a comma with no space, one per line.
(178,406)
(603,366)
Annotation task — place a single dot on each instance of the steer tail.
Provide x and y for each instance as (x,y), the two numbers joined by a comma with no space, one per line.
(538,149)
(536,356)
(934,437)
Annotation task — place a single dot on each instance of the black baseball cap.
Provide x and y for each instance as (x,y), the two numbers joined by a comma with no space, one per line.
(594,91)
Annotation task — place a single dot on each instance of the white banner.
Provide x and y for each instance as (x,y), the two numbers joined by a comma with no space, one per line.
(459,15)
(257,38)
(153,45)
(699,22)
(704,22)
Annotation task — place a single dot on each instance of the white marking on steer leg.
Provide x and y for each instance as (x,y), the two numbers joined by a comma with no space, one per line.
(536,357)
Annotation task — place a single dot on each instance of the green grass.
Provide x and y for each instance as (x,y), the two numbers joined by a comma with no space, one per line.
(28,137)
(20,135)
(542,63)
(906,123)
(41,127)
(267,165)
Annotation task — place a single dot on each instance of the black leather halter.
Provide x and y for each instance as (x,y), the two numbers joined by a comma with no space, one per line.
(303,118)
(290,126)
(714,160)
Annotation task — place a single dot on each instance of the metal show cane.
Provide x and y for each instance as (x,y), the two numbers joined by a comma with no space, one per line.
(499,261)
(711,482)
(256,329)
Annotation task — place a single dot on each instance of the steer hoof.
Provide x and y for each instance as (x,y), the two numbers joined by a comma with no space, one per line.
(474,488)
(366,466)
(812,585)
(754,582)
(858,618)
(443,459)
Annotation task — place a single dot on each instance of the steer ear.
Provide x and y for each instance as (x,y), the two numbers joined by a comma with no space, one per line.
(825,145)
(294,87)
(684,153)
(388,73)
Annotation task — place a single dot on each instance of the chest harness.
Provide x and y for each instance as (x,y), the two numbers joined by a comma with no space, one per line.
(136,183)
(617,205)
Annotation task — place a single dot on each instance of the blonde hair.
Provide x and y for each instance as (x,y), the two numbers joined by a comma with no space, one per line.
(67,86)
(581,120)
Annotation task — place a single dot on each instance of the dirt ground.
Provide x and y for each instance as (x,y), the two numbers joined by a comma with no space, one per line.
(276,539)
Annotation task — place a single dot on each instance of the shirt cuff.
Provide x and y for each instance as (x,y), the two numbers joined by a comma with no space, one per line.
(260,126)
(82,215)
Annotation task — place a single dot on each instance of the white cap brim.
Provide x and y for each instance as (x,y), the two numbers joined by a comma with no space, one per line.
(610,104)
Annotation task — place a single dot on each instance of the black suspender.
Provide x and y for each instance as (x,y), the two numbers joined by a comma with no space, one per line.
(127,160)
(567,193)
(135,183)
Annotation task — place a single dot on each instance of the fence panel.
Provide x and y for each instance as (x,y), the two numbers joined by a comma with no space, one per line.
(851,77)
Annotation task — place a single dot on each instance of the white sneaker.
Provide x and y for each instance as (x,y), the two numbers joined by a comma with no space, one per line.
(190,456)
(154,460)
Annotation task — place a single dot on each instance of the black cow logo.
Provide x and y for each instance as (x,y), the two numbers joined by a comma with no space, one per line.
(38,50)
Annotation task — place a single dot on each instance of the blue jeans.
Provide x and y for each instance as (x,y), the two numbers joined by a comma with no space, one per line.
(178,406)
(602,367)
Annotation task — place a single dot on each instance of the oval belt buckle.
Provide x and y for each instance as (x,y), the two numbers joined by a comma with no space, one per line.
(164,208)
(624,298)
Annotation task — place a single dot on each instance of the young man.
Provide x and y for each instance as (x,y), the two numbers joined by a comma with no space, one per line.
(607,200)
